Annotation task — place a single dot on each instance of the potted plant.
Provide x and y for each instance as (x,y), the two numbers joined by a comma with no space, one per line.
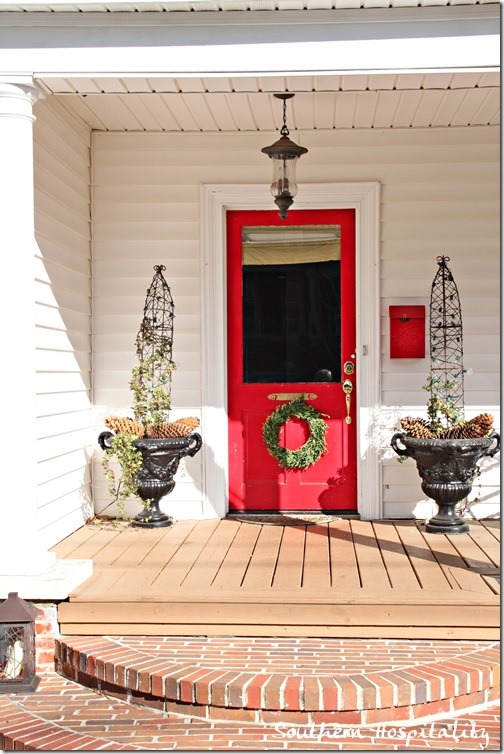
(147,446)
(446,449)
(445,446)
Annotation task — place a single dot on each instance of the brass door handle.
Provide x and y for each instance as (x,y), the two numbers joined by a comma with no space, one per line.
(347,389)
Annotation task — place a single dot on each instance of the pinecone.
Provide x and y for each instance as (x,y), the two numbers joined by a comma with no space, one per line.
(458,432)
(418,428)
(477,427)
(481,424)
(191,422)
(157,431)
(124,425)
(173,429)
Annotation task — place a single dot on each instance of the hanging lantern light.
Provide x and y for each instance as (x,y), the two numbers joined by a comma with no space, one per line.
(285,154)
(17,646)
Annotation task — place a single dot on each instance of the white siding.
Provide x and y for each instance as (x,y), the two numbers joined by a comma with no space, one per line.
(63,325)
(440,195)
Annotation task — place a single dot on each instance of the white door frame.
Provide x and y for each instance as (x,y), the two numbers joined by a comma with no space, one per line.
(216,199)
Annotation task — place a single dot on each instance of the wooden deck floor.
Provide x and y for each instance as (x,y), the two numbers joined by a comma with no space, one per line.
(387,579)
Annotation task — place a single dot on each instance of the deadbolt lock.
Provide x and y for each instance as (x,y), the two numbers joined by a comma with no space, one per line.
(349,367)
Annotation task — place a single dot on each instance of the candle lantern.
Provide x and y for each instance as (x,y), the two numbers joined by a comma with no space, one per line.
(17,646)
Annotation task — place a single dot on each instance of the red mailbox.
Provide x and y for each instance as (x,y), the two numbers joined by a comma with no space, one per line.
(407,332)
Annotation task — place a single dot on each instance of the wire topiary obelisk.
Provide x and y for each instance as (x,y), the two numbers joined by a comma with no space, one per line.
(151,378)
(446,339)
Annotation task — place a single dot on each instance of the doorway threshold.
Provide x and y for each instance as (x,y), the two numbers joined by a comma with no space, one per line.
(290,518)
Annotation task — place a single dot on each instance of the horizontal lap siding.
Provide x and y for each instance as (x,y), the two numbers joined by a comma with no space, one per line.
(63,320)
(440,195)
(144,215)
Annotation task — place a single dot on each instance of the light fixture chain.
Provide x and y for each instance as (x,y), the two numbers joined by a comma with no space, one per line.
(284,131)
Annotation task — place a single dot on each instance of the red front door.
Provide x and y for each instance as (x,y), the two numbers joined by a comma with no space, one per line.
(291,331)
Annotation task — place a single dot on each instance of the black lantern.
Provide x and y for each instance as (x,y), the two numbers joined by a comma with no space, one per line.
(17,646)
(285,154)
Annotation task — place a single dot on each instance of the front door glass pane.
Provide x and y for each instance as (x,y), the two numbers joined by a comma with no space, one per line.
(291,304)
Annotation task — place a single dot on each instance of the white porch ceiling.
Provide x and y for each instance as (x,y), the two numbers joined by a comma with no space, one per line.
(222,5)
(246,103)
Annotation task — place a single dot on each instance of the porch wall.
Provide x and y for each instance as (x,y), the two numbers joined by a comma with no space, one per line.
(63,319)
(440,195)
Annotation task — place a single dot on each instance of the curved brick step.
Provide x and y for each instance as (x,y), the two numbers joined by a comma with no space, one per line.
(65,716)
(288,680)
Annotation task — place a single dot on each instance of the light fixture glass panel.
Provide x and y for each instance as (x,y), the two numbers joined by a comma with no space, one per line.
(284,176)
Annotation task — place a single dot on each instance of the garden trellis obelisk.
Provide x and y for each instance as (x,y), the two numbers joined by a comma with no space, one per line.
(446,340)
(151,380)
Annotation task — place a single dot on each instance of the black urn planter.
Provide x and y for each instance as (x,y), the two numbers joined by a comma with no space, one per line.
(160,461)
(447,469)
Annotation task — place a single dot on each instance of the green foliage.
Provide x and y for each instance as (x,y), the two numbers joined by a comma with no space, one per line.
(150,380)
(441,406)
(130,460)
(307,454)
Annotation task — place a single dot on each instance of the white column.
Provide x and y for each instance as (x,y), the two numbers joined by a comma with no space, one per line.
(21,552)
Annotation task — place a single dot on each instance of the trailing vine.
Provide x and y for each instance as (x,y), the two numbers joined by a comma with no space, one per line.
(130,460)
(314,447)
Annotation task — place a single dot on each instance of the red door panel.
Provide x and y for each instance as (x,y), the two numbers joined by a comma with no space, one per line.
(256,482)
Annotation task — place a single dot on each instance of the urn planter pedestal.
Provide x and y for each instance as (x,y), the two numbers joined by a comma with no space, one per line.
(447,469)
(160,462)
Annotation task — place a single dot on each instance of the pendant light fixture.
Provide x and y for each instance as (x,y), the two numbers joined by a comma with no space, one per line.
(285,154)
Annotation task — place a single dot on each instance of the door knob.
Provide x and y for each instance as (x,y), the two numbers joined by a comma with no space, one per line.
(347,389)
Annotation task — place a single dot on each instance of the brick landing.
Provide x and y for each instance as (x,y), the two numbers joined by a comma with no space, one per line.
(288,680)
(63,716)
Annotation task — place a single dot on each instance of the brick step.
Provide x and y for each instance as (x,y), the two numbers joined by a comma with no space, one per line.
(301,681)
(64,716)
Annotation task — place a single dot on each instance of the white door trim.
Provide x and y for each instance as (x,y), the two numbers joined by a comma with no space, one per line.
(216,199)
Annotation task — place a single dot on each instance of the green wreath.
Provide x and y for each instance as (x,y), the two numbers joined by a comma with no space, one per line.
(314,447)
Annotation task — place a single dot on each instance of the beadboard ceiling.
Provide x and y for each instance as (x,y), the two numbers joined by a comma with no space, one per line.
(247,104)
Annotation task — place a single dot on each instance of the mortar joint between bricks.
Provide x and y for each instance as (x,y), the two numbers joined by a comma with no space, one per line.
(302,700)
(320,693)
(245,691)
(263,693)
(281,693)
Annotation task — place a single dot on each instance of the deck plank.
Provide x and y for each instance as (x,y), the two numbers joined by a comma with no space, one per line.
(428,571)
(493,526)
(207,564)
(250,612)
(453,566)
(476,633)
(369,560)
(493,582)
(236,560)
(126,570)
(486,541)
(290,562)
(155,561)
(344,571)
(119,546)
(474,556)
(181,562)
(94,544)
(399,570)
(317,564)
(261,569)
(70,544)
